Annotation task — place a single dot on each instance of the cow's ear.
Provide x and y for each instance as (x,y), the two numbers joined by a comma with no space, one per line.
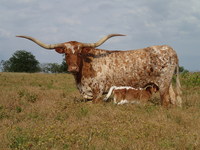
(60,50)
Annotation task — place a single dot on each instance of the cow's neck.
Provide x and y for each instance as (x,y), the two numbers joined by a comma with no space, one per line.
(85,68)
(77,77)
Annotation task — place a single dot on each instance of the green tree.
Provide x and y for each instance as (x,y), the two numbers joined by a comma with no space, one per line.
(5,65)
(21,61)
(63,66)
(182,69)
(54,67)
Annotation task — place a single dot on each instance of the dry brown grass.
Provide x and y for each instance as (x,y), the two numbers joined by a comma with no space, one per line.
(43,111)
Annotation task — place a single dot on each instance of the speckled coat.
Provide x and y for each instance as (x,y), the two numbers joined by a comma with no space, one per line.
(100,69)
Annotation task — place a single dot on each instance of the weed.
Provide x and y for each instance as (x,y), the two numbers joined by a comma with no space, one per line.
(28,96)
(50,84)
(17,141)
(166,143)
(22,93)
(62,116)
(3,115)
(20,139)
(18,109)
(31,97)
(83,111)
(65,146)
(33,115)
(150,108)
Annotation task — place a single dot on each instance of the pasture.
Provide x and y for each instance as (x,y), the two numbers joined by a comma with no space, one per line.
(45,111)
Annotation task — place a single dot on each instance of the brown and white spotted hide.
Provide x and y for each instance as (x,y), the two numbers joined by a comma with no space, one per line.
(96,70)
(126,94)
(101,69)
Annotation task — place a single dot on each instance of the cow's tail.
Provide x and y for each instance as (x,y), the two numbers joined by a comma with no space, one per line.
(109,93)
(178,88)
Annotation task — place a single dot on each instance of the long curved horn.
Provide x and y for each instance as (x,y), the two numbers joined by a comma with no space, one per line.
(47,46)
(101,41)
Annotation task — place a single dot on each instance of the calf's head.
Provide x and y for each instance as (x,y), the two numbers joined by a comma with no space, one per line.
(152,88)
(72,50)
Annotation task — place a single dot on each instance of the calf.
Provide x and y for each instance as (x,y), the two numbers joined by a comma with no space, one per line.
(127,94)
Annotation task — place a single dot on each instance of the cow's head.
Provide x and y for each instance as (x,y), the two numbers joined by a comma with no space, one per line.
(72,50)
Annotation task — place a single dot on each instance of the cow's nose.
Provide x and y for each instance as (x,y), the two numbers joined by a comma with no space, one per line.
(73,69)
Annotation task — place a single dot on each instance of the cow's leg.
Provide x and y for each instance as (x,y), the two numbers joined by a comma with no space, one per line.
(97,94)
(97,100)
(164,95)
(165,87)
(172,95)
(175,99)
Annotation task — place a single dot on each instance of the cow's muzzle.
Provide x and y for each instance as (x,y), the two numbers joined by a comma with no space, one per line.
(73,69)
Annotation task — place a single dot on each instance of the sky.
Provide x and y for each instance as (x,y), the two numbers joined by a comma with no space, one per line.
(144,22)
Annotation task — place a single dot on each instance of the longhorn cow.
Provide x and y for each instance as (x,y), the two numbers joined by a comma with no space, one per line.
(96,70)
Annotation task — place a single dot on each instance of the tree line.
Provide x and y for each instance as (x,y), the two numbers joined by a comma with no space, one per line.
(23,61)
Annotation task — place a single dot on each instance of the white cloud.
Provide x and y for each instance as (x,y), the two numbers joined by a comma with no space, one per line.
(5,34)
(25,1)
(69,21)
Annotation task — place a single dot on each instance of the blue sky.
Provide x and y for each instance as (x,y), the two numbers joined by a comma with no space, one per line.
(145,22)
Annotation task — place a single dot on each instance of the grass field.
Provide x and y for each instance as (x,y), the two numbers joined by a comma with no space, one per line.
(44,111)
